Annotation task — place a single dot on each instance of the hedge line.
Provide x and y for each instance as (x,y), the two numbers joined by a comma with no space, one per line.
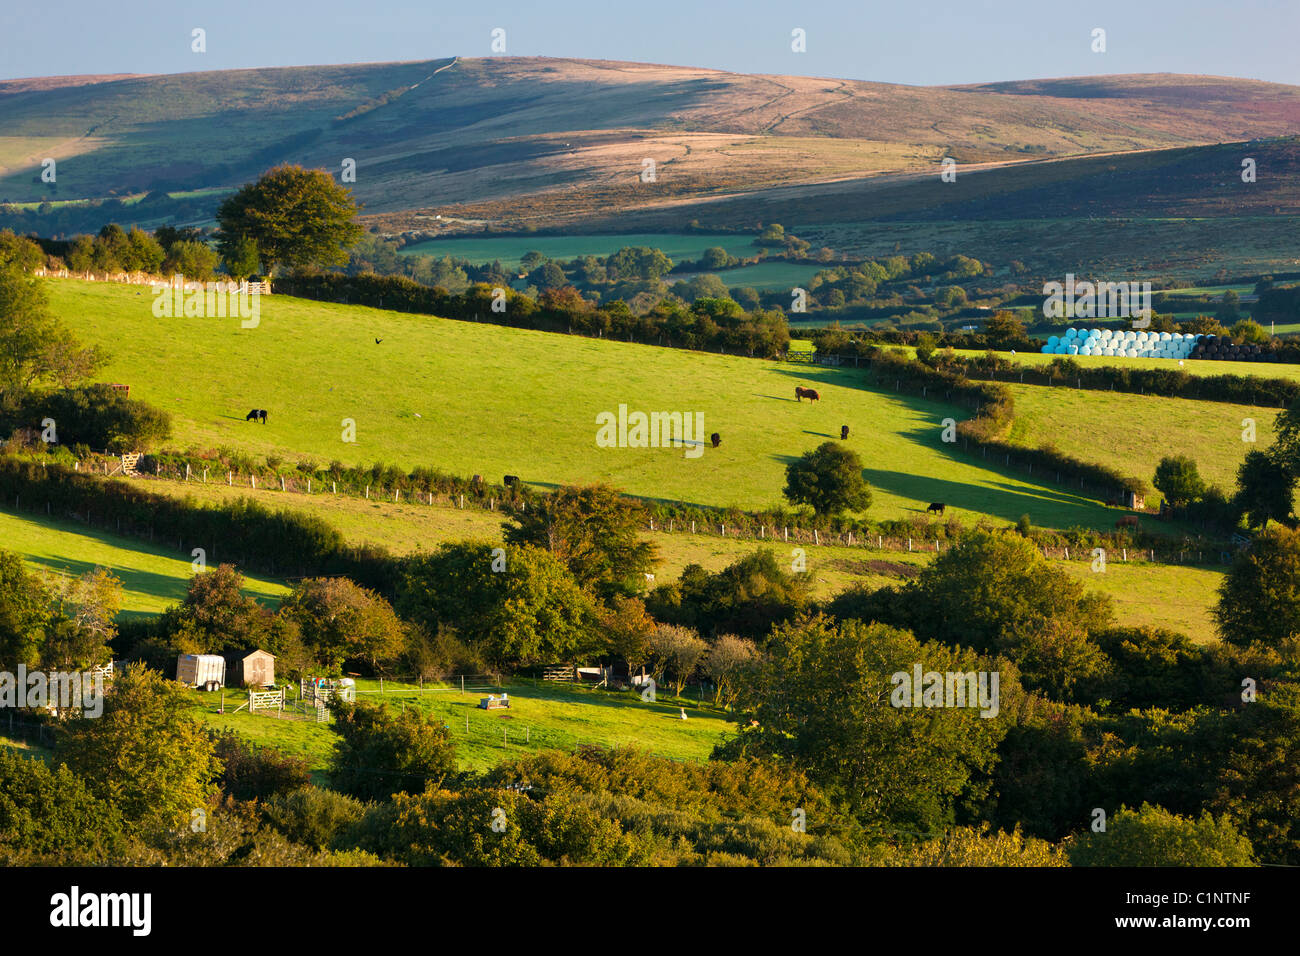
(243,532)
(1164,382)
(764,334)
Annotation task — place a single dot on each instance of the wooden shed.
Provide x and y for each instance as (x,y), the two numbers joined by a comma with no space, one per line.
(250,669)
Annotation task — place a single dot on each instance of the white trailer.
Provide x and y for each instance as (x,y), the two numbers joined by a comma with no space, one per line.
(201,670)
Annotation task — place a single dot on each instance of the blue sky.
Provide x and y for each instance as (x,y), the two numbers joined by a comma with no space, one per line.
(915,42)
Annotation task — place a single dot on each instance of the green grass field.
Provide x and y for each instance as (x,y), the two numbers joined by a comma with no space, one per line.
(497,401)
(766,276)
(152,577)
(1133,432)
(542,716)
(1177,597)
(510,249)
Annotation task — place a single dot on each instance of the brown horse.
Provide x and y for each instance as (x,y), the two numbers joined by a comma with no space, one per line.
(800,393)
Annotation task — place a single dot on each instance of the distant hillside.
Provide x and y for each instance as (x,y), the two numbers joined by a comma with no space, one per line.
(538,141)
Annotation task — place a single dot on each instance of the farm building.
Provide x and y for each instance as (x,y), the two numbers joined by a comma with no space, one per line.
(251,668)
(201,670)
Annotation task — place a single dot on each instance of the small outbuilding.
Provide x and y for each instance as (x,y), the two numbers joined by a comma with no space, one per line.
(251,668)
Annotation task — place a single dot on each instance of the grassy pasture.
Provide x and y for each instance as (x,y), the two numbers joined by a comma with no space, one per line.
(495,401)
(1176,597)
(542,716)
(153,577)
(510,249)
(1139,430)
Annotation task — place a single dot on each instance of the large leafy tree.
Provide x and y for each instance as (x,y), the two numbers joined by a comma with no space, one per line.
(1259,599)
(35,348)
(380,753)
(829,478)
(1178,480)
(24,613)
(340,620)
(216,615)
(992,588)
(145,753)
(517,605)
(676,651)
(1265,487)
(594,531)
(297,217)
(822,698)
(747,597)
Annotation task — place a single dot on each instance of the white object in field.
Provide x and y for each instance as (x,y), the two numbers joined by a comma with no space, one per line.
(200,670)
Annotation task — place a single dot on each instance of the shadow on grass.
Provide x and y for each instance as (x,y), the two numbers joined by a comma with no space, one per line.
(149,583)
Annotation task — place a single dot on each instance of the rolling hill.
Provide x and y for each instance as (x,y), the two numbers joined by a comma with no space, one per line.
(547,142)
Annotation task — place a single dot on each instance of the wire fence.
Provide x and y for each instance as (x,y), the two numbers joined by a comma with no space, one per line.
(1202,553)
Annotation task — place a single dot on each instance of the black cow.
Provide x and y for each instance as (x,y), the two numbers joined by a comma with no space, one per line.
(844,432)
(511,481)
(936,506)
(716,439)
(257,414)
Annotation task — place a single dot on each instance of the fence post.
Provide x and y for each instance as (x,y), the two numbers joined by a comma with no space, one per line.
(282,482)
(230,477)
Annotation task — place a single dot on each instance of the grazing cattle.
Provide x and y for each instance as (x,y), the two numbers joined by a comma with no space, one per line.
(800,393)
(257,414)
(1128,521)
(511,481)
(844,432)
(1112,502)
(716,439)
(478,479)
(936,506)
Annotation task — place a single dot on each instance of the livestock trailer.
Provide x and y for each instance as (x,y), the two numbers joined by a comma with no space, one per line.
(201,670)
